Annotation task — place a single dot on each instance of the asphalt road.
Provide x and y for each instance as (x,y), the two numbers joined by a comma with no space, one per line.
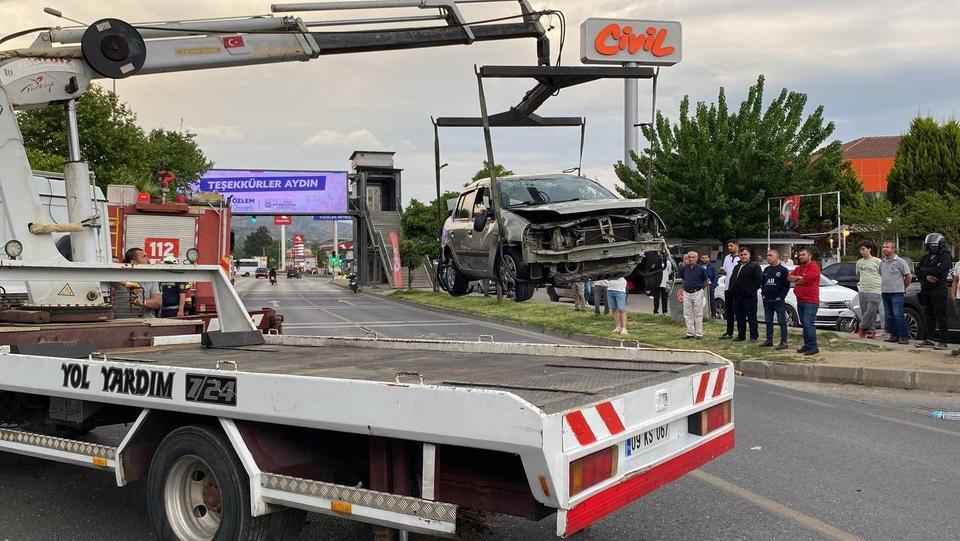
(812,461)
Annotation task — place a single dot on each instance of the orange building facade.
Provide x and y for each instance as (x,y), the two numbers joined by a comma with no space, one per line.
(872,159)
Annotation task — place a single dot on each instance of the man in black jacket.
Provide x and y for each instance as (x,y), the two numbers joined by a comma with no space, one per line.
(744,283)
(774,292)
(932,270)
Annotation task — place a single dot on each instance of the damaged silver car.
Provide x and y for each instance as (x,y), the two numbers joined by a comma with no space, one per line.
(559,228)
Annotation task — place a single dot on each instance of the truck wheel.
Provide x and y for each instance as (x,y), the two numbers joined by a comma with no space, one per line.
(197,490)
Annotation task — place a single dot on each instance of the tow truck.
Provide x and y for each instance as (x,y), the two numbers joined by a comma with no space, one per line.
(238,434)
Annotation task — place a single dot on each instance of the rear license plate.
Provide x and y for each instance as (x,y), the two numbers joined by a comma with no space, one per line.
(645,440)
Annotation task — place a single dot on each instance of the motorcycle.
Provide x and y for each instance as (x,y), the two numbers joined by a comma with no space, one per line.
(353,283)
(273,280)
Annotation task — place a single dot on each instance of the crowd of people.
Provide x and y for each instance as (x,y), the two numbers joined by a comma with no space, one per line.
(882,284)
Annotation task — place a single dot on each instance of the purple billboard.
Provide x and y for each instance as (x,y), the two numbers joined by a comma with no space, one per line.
(279,192)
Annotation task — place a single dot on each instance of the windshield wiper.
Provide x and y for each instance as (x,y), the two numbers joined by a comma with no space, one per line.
(527,204)
(567,200)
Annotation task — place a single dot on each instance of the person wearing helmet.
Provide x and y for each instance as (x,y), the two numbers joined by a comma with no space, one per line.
(955,295)
(932,270)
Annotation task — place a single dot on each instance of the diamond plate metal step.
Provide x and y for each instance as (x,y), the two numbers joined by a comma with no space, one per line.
(60,449)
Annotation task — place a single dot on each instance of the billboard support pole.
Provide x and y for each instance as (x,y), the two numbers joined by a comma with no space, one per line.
(283,246)
(336,248)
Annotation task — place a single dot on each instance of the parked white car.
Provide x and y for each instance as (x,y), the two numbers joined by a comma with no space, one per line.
(833,301)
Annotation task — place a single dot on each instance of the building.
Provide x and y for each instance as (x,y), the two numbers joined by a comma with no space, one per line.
(872,159)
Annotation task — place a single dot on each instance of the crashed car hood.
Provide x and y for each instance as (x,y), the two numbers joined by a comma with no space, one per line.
(580,207)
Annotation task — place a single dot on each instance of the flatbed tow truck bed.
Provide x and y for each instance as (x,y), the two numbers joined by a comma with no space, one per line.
(424,430)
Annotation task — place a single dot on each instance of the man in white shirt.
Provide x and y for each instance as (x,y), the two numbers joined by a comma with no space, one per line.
(730,261)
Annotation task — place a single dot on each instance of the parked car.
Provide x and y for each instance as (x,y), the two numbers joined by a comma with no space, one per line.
(845,273)
(294,272)
(559,228)
(833,302)
(261,272)
(913,312)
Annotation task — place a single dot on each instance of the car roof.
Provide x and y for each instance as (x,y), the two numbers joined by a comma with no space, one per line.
(486,180)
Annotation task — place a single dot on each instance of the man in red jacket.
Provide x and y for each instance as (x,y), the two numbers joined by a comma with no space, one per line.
(806,280)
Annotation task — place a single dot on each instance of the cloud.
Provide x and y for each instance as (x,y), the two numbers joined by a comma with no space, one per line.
(357,138)
(218,133)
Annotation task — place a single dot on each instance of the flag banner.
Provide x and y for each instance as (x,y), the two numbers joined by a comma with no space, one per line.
(790,212)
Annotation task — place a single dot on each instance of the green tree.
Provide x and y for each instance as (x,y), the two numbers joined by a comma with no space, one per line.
(412,253)
(876,220)
(928,159)
(259,243)
(484,172)
(111,141)
(713,170)
(929,211)
(178,153)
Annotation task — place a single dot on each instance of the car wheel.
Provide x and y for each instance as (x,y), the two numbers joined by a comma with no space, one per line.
(915,325)
(848,324)
(457,283)
(793,320)
(720,308)
(552,293)
(511,270)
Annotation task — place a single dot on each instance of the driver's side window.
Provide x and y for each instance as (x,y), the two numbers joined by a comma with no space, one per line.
(482,202)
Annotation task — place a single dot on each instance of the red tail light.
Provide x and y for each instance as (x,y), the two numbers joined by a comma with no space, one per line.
(592,469)
(710,419)
(143,197)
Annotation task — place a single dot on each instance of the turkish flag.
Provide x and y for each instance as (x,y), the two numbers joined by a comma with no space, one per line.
(790,212)
(233,42)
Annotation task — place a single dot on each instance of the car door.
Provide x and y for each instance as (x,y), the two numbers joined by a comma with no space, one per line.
(457,228)
(483,243)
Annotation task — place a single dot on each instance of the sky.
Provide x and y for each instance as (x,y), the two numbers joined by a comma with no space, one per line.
(873,65)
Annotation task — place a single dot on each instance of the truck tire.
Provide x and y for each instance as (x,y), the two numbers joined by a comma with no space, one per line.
(523,291)
(197,489)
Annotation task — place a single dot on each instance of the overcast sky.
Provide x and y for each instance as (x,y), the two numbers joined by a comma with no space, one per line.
(873,64)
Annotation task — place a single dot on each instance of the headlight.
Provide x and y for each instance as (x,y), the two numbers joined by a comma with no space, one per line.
(13,248)
(823,304)
(848,304)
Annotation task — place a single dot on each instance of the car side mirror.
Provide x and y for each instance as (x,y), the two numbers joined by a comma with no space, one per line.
(480,221)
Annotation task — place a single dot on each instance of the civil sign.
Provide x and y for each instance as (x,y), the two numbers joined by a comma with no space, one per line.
(618,41)
(282,220)
(345,218)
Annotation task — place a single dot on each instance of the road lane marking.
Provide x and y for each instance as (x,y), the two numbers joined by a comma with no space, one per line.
(874,415)
(380,325)
(774,507)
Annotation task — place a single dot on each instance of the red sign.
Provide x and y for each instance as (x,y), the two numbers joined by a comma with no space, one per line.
(790,212)
(232,42)
(282,220)
(615,41)
(298,238)
(397,268)
(158,248)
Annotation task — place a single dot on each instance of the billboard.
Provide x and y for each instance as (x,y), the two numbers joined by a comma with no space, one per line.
(279,192)
(617,41)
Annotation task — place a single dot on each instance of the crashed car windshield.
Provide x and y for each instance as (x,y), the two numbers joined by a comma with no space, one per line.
(540,191)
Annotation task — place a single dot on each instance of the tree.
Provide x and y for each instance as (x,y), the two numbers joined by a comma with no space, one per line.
(258,243)
(412,253)
(928,159)
(178,153)
(713,171)
(929,211)
(877,220)
(484,172)
(112,143)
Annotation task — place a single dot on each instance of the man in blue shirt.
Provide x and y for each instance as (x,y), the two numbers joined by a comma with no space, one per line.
(695,280)
(774,292)
(714,276)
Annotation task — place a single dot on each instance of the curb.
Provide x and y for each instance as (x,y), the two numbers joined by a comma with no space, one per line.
(895,378)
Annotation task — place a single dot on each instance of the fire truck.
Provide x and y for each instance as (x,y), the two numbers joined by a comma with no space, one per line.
(236,434)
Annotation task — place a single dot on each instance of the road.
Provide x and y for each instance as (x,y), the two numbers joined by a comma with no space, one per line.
(812,461)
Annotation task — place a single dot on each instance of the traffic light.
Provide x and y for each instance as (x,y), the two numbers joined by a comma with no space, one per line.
(253,219)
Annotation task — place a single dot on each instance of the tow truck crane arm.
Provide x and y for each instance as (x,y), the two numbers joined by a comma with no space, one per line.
(60,64)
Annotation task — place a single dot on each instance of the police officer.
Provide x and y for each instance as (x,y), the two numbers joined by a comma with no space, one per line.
(932,270)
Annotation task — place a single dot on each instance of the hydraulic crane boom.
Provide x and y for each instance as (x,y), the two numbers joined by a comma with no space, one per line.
(59,65)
